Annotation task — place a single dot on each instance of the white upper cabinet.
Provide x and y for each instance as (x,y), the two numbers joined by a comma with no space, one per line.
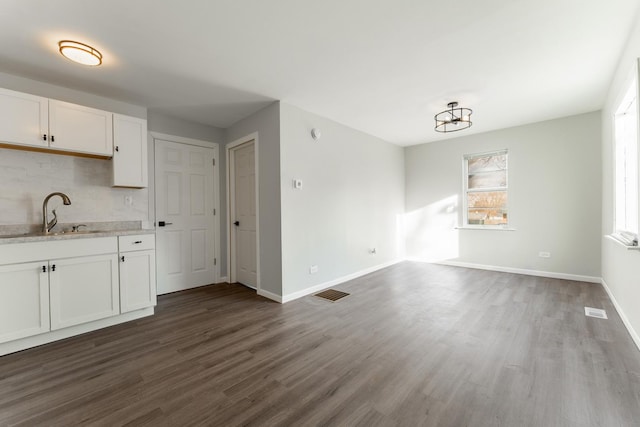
(80,129)
(24,119)
(130,152)
(33,121)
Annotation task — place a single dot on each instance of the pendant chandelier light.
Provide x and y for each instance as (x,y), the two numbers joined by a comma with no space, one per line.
(454,119)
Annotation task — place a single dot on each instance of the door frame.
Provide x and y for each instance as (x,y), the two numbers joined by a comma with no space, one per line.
(154,136)
(230,149)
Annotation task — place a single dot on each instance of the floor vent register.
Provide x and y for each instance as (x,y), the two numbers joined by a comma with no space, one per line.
(331,295)
(595,312)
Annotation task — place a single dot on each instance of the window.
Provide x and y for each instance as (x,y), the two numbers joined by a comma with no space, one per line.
(485,189)
(626,164)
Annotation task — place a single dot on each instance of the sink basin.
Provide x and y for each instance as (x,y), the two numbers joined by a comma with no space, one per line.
(55,233)
(11,236)
(64,233)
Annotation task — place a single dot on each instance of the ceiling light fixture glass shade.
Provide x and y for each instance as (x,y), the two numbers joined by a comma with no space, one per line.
(454,119)
(80,53)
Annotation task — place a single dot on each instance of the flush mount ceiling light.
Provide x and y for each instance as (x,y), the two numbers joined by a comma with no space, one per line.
(80,53)
(453,119)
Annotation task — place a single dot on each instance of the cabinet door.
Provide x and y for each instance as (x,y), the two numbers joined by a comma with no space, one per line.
(130,152)
(83,289)
(24,300)
(137,280)
(24,119)
(80,129)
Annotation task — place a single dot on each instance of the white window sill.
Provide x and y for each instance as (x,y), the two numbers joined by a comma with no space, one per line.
(486,227)
(628,247)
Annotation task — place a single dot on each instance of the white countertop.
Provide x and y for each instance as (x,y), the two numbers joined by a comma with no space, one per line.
(39,237)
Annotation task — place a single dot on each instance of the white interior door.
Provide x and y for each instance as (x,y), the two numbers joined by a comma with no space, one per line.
(184,189)
(244,215)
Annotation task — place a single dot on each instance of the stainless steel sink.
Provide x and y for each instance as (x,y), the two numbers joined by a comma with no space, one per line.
(66,233)
(12,236)
(58,233)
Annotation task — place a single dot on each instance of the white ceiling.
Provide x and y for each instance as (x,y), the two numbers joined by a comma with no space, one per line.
(383,67)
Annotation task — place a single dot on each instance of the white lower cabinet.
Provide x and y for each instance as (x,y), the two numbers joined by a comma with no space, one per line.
(24,300)
(83,289)
(55,289)
(137,272)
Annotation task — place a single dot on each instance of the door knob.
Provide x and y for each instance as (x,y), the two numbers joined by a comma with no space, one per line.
(162,223)
(237,223)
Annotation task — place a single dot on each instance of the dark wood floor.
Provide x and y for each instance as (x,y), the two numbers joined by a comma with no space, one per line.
(415,344)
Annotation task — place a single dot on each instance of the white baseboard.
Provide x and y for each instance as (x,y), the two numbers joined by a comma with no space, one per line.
(223,279)
(321,286)
(550,274)
(634,335)
(270,295)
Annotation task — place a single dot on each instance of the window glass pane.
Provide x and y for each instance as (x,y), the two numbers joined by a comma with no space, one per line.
(487,208)
(626,167)
(492,162)
(488,179)
(486,216)
(487,199)
(486,189)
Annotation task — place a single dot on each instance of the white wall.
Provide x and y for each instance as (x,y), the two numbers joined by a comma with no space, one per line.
(620,268)
(351,200)
(27,177)
(162,123)
(266,123)
(554,199)
(21,84)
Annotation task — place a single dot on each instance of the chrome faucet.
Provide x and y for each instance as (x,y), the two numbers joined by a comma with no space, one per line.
(47,226)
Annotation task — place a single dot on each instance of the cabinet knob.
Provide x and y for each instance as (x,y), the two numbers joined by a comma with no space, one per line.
(53,267)
(52,138)
(44,137)
(44,268)
(117,149)
(122,258)
(137,242)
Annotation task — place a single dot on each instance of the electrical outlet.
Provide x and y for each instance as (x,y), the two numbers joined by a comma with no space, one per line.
(313,269)
(544,254)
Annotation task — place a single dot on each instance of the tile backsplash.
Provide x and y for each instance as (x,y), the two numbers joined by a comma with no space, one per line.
(26,178)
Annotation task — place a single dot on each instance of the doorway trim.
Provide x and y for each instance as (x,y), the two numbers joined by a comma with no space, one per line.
(216,187)
(231,273)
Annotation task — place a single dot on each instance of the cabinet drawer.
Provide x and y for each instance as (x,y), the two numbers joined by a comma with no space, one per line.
(53,249)
(137,242)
